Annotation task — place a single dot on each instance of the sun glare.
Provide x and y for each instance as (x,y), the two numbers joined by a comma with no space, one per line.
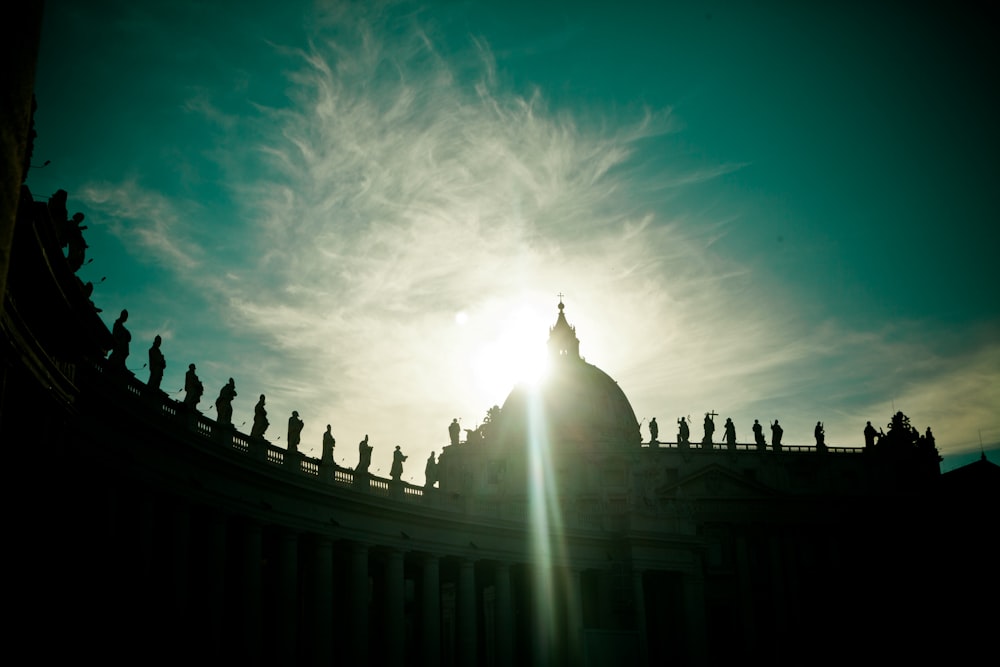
(516,355)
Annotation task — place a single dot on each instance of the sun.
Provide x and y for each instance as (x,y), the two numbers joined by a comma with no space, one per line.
(515,355)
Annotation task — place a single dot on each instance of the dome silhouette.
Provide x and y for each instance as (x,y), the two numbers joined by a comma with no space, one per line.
(576,405)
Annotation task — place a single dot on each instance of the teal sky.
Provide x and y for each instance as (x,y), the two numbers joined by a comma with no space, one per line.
(366,211)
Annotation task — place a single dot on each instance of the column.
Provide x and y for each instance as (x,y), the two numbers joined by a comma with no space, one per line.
(250,593)
(359,603)
(505,629)
(180,546)
(778,574)
(322,609)
(146,525)
(394,584)
(467,617)
(747,617)
(215,595)
(430,611)
(639,600)
(694,611)
(287,598)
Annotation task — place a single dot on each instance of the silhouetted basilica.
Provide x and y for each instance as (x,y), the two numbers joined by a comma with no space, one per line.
(143,531)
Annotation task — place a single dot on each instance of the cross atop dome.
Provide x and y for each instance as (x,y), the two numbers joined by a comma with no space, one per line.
(563,343)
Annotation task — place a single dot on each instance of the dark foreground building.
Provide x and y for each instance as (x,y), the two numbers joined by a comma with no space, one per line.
(141,529)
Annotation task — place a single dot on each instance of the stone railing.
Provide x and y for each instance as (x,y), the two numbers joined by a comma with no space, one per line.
(157,405)
(746,447)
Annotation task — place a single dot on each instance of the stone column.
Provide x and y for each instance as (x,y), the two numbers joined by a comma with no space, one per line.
(504,629)
(394,585)
(322,610)
(146,525)
(694,611)
(778,585)
(180,547)
(287,598)
(359,604)
(215,595)
(467,617)
(430,612)
(745,575)
(250,593)
(639,600)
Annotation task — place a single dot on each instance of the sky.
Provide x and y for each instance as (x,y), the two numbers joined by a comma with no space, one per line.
(366,210)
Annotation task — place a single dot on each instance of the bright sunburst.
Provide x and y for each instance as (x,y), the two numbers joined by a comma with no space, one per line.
(516,354)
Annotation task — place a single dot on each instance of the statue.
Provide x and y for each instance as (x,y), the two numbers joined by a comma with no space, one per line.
(870,435)
(294,432)
(77,246)
(684,433)
(59,214)
(453,431)
(758,435)
(730,430)
(120,338)
(430,471)
(397,464)
(193,388)
(820,435)
(709,430)
(776,433)
(654,431)
(156,364)
(328,444)
(224,403)
(260,422)
(364,456)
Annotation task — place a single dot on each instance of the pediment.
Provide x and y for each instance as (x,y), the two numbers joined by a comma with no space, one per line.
(714,481)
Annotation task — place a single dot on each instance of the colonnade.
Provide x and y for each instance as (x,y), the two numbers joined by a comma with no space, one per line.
(245,589)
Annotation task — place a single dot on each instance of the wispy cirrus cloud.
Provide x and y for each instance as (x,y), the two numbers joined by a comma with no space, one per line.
(404,213)
(146,220)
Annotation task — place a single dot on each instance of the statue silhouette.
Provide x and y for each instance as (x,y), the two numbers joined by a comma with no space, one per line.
(157,363)
(328,444)
(294,431)
(683,433)
(430,471)
(120,338)
(260,422)
(453,430)
(709,430)
(77,246)
(758,435)
(364,456)
(224,403)
(776,433)
(396,472)
(654,431)
(60,215)
(820,435)
(192,387)
(870,435)
(730,430)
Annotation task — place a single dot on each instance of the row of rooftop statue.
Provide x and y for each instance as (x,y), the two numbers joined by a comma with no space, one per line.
(900,428)
(707,442)
(69,234)
(899,424)
(194,389)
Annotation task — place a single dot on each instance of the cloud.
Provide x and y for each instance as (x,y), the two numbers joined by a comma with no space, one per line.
(401,185)
(146,220)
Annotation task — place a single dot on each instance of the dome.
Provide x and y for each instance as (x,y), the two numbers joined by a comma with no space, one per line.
(578,405)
